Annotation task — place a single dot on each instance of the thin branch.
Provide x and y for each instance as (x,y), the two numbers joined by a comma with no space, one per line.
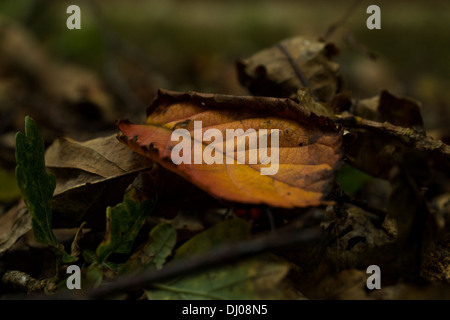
(408,136)
(356,45)
(219,256)
(341,21)
(298,72)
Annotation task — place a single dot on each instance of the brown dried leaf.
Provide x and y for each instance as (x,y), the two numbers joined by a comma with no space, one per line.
(399,111)
(14,224)
(90,174)
(292,64)
(104,157)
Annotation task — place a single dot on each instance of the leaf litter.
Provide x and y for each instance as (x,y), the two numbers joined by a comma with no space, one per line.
(378,209)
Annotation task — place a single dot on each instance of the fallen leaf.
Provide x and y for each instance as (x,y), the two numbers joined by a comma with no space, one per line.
(360,242)
(374,153)
(253,279)
(103,157)
(90,175)
(292,64)
(123,223)
(14,224)
(399,111)
(256,278)
(305,98)
(309,147)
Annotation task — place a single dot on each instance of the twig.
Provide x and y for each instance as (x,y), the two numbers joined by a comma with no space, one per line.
(219,256)
(23,281)
(356,45)
(408,136)
(341,21)
(298,72)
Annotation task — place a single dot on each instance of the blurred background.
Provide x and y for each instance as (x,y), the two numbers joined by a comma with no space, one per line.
(77,82)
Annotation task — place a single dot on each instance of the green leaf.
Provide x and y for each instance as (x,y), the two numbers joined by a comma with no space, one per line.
(225,232)
(254,278)
(153,254)
(94,275)
(67,258)
(123,223)
(351,179)
(89,256)
(35,184)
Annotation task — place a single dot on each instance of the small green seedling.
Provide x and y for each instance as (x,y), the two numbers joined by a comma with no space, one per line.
(37,186)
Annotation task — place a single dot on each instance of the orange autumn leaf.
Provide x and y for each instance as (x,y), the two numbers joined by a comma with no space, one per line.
(191,134)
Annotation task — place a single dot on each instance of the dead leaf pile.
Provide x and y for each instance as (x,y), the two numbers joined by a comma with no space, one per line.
(357,183)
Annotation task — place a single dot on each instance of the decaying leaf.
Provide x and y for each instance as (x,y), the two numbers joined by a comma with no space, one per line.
(14,224)
(374,153)
(399,111)
(255,278)
(305,98)
(308,155)
(90,174)
(292,64)
(436,264)
(384,126)
(103,157)
(359,242)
